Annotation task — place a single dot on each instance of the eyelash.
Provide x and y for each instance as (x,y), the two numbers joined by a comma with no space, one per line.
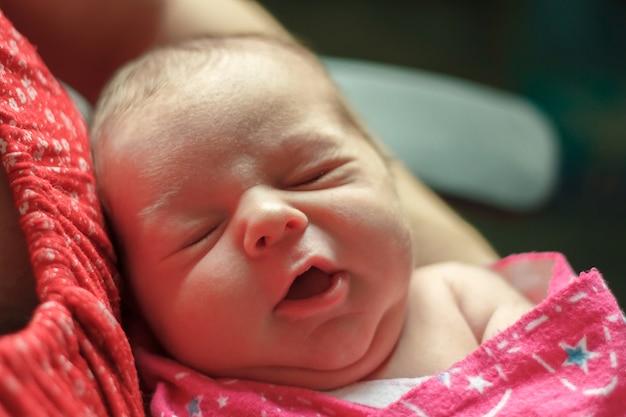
(313,178)
(204,236)
(325,172)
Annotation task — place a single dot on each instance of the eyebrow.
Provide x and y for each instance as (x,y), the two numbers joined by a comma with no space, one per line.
(162,201)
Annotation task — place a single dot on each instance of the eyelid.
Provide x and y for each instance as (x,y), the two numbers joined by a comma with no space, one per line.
(318,173)
(312,177)
(203,234)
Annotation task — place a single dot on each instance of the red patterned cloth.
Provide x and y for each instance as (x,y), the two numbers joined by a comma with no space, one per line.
(73,359)
(566,357)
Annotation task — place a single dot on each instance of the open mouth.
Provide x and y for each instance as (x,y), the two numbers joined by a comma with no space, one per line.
(312,282)
(313,293)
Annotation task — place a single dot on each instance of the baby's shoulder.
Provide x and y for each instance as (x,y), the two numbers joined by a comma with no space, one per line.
(435,333)
(457,280)
(441,281)
(477,295)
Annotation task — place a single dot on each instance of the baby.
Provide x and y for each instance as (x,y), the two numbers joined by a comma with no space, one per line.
(259,228)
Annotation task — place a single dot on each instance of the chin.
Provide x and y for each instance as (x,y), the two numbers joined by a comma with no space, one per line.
(326,370)
(304,378)
(354,361)
(323,380)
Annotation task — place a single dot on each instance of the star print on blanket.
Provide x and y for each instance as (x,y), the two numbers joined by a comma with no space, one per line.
(73,358)
(566,357)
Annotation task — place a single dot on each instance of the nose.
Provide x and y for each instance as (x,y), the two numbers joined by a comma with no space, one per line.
(268,219)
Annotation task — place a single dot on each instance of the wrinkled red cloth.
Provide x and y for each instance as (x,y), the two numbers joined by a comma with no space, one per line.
(566,357)
(73,359)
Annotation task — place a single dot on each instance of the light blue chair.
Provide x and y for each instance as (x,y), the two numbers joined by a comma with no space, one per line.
(462,139)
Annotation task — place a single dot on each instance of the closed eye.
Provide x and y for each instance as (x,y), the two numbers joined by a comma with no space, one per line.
(193,241)
(312,178)
(201,237)
(328,175)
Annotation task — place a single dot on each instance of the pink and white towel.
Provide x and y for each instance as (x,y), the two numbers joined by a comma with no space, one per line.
(566,357)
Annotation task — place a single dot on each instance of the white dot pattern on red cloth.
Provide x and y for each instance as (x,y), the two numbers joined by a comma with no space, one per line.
(73,358)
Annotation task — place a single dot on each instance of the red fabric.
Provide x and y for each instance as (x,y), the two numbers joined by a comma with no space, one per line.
(73,358)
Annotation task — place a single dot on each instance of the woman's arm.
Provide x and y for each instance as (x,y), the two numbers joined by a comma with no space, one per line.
(84,42)
(439,233)
(184,18)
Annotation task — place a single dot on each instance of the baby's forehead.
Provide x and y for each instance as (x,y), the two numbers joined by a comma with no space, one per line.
(189,92)
(211,65)
(282,56)
(241,66)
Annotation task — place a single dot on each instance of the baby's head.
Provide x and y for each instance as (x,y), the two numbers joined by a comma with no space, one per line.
(257,224)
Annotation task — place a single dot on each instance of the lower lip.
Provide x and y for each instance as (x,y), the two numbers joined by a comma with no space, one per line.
(307,307)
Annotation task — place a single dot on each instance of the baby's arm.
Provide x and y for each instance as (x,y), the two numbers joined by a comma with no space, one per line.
(488,303)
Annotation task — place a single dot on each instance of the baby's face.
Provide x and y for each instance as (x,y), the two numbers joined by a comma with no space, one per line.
(262,236)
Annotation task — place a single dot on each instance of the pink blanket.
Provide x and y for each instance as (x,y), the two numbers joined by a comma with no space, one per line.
(566,357)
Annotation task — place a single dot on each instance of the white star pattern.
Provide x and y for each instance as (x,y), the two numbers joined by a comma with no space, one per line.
(222,401)
(478,383)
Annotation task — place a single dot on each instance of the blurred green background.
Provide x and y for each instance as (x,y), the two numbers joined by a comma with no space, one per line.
(567,56)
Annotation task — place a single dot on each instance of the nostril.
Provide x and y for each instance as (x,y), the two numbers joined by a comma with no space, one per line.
(269,224)
(291,224)
(268,239)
